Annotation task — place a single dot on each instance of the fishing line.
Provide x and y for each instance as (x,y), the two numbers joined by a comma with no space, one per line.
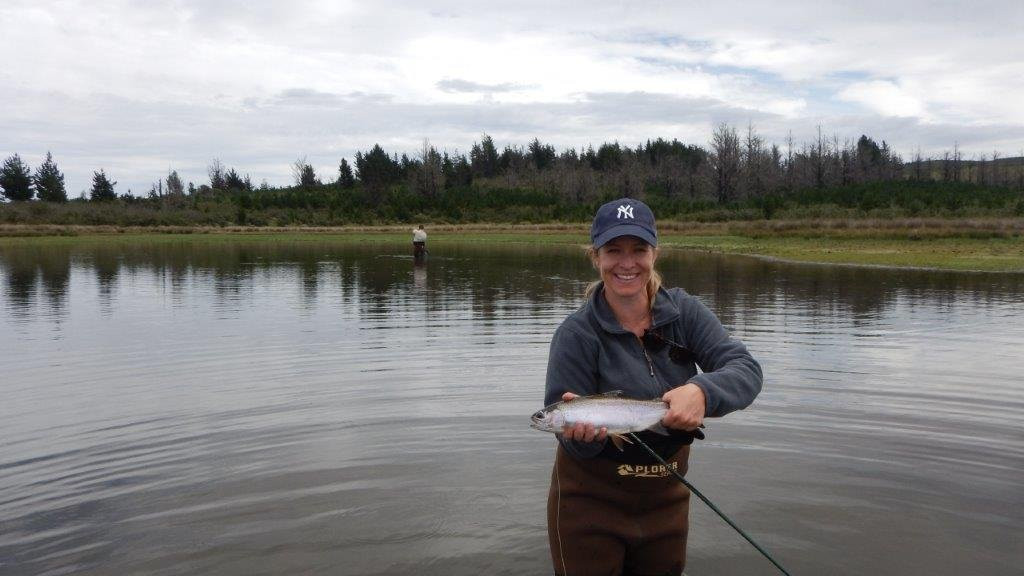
(709,503)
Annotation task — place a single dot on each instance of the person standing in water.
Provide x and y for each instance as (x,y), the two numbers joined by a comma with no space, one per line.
(620,512)
(419,242)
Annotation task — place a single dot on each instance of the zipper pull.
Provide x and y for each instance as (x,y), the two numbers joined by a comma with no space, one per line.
(650,363)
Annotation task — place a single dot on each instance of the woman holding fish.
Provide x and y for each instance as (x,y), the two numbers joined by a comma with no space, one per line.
(611,508)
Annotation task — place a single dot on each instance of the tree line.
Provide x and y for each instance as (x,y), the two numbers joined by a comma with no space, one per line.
(19,184)
(734,169)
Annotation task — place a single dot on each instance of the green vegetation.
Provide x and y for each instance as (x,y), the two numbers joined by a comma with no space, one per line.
(16,180)
(735,178)
(987,245)
(479,203)
(992,254)
(102,188)
(49,182)
(825,201)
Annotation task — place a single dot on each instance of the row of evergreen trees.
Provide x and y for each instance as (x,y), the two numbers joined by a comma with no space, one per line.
(18,183)
(732,168)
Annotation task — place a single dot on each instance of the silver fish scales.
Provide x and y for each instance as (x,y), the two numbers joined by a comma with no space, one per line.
(618,415)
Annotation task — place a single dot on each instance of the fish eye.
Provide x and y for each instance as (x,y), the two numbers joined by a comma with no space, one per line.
(539,415)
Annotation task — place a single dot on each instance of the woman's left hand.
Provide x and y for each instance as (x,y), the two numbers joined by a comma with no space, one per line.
(686,406)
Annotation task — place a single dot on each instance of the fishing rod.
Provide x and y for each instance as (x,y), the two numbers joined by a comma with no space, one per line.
(708,502)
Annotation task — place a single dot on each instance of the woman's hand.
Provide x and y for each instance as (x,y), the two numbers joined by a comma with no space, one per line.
(582,431)
(686,406)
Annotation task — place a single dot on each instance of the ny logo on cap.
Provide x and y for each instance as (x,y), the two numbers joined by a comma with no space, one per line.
(625,211)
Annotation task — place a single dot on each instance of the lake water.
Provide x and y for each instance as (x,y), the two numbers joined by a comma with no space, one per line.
(308,407)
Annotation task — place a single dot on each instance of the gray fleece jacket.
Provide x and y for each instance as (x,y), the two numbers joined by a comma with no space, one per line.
(591,353)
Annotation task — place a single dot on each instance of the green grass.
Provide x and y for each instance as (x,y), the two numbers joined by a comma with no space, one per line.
(997,253)
(989,254)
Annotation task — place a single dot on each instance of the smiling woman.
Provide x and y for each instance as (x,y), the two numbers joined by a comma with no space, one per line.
(626,265)
(603,517)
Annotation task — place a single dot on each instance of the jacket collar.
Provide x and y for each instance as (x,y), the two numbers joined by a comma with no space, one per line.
(664,312)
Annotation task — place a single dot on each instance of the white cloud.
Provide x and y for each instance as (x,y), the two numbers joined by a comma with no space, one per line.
(886,98)
(142,86)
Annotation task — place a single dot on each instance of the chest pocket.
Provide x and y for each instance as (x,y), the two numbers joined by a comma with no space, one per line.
(623,365)
(673,359)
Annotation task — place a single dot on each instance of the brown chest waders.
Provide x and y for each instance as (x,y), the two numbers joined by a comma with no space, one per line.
(609,518)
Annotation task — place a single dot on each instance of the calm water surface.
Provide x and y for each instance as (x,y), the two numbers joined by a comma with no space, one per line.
(321,408)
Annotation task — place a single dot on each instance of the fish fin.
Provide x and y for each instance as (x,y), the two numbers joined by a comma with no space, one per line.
(611,394)
(619,441)
(660,429)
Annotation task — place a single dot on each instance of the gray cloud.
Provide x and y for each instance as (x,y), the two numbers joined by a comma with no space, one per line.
(175,83)
(454,85)
(294,97)
(138,142)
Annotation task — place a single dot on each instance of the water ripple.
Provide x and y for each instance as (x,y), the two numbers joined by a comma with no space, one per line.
(272,408)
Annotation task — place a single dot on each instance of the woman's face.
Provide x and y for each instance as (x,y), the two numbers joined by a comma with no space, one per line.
(625,264)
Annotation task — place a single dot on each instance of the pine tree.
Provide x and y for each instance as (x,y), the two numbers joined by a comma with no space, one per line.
(16,180)
(542,155)
(102,187)
(234,182)
(50,182)
(308,179)
(376,170)
(346,179)
(483,157)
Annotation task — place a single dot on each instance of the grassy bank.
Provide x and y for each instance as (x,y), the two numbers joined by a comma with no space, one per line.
(983,244)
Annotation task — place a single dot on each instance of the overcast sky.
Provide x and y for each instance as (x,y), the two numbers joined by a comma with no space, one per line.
(138,87)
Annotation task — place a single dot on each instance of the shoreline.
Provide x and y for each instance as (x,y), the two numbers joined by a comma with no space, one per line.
(968,245)
(877,227)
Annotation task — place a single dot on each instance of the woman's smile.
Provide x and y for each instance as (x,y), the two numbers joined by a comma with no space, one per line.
(625,264)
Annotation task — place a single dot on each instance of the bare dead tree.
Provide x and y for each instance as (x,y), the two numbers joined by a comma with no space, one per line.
(818,153)
(725,161)
(847,162)
(754,164)
(298,169)
(631,176)
(957,162)
(774,177)
(429,174)
(1020,171)
(835,161)
(175,188)
(216,172)
(789,160)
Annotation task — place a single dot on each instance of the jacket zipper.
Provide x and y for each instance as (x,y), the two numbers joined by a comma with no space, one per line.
(650,363)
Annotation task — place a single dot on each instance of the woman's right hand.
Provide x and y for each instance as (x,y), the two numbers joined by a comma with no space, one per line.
(582,431)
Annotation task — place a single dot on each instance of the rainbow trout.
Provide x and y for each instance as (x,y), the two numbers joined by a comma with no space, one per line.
(618,415)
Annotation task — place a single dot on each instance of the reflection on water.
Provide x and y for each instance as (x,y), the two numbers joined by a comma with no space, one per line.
(314,407)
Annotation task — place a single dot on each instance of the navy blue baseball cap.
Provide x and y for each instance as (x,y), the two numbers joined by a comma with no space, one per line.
(623,217)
